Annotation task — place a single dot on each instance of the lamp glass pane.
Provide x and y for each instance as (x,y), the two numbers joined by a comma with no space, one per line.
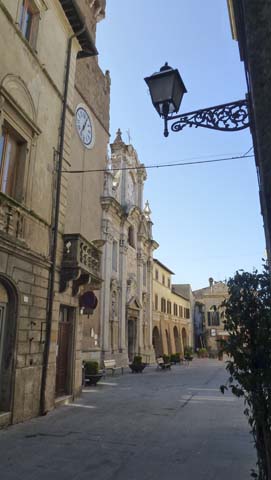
(177,95)
(161,87)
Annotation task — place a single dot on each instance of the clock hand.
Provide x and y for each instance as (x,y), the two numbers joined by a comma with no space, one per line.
(84,126)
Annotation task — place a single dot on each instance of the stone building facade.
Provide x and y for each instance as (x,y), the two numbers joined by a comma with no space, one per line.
(251,27)
(37,91)
(91,107)
(171,325)
(208,315)
(126,300)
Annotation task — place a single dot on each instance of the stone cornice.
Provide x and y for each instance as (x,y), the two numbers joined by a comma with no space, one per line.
(19,249)
(110,203)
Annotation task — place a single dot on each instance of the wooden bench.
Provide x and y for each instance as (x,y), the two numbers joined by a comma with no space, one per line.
(163,365)
(111,365)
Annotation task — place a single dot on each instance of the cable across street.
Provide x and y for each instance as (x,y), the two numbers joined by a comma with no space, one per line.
(163,165)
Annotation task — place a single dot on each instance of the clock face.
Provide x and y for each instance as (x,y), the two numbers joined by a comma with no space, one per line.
(84,126)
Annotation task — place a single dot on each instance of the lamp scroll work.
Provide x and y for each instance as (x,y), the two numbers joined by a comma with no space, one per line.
(229,117)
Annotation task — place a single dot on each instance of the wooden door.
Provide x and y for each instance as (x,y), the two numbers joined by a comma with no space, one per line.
(131,339)
(2,331)
(63,360)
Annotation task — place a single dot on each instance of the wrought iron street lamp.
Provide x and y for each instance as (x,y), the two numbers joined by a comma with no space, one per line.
(167,90)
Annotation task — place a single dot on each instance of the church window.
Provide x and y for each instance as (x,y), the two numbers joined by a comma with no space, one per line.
(115,256)
(131,236)
(145,274)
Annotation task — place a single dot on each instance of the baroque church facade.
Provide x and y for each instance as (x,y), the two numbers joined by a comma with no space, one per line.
(126,296)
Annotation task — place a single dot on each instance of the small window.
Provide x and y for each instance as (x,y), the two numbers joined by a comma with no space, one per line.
(156,302)
(169,307)
(213,319)
(156,274)
(163,279)
(145,274)
(131,236)
(168,282)
(29,21)
(175,309)
(163,305)
(180,311)
(12,161)
(115,256)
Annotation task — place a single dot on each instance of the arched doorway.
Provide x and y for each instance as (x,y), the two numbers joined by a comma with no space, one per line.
(156,342)
(8,323)
(184,338)
(168,343)
(132,336)
(177,340)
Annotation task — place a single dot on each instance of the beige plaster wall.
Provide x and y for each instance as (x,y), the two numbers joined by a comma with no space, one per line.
(34,90)
(166,321)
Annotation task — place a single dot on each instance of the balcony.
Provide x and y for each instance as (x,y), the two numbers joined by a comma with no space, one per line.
(81,263)
(11,218)
(23,228)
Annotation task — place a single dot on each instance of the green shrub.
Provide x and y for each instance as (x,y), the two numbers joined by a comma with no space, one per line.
(175,358)
(137,360)
(188,352)
(247,313)
(166,358)
(203,353)
(91,367)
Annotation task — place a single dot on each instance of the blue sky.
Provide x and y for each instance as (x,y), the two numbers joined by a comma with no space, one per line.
(206,217)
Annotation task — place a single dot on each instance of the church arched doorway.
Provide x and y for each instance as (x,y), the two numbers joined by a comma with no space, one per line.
(132,336)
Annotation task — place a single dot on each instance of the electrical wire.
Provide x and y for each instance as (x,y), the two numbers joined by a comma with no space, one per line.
(163,165)
(249,150)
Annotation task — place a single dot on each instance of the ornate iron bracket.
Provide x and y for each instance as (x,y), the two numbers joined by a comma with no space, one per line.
(229,117)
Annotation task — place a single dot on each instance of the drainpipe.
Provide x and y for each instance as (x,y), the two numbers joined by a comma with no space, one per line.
(51,286)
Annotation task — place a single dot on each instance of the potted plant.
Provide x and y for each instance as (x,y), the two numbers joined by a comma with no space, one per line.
(137,366)
(175,358)
(91,372)
(203,353)
(188,353)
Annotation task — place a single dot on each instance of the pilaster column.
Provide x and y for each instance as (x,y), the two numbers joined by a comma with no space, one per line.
(123,285)
(141,176)
(150,301)
(139,294)
(105,291)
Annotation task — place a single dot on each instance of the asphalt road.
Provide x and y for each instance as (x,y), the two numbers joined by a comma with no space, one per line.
(151,426)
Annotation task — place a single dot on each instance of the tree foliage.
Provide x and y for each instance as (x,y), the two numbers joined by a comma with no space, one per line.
(248,346)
